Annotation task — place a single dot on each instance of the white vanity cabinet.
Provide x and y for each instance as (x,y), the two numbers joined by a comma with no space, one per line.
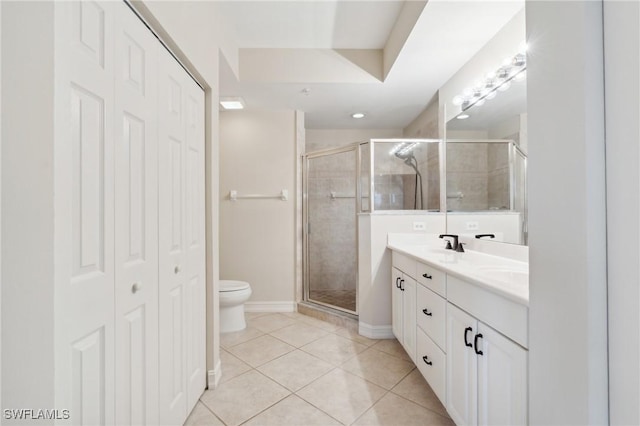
(403,300)
(486,373)
(468,339)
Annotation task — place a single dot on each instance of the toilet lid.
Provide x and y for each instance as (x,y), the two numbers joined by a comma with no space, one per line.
(232,285)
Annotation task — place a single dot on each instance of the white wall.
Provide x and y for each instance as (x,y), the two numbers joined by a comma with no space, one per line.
(257,237)
(427,124)
(27,205)
(567,222)
(622,92)
(374,265)
(319,139)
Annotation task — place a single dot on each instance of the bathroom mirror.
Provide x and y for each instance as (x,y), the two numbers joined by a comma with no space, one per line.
(486,162)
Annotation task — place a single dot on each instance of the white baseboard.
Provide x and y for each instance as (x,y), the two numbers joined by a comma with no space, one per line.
(213,376)
(270,307)
(375,331)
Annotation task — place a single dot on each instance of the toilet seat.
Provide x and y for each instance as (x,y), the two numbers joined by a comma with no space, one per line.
(233,285)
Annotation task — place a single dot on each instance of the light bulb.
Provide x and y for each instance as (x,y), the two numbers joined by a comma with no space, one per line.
(467,93)
(458,100)
(522,48)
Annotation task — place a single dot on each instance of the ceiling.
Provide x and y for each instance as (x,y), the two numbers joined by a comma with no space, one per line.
(333,58)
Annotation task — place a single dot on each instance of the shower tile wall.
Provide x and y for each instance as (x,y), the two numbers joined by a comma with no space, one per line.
(332,236)
(478,176)
(467,176)
(498,177)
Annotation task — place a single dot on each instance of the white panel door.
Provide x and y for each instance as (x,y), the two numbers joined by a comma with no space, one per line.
(172,240)
(136,219)
(84,220)
(195,297)
(502,379)
(462,367)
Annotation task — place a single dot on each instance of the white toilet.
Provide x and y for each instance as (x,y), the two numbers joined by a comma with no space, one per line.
(233,294)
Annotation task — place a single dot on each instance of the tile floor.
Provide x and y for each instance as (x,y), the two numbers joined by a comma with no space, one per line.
(292,369)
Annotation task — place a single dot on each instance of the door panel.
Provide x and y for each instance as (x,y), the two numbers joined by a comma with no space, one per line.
(331,235)
(462,367)
(195,296)
(502,379)
(409,310)
(88,371)
(396,305)
(171,142)
(136,218)
(83,202)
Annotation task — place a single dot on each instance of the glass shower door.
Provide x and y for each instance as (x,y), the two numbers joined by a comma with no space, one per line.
(331,229)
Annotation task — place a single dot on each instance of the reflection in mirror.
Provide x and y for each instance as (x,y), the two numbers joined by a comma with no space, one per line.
(486,168)
(406,174)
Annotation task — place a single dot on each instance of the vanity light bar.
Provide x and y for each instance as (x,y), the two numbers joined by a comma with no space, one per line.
(499,80)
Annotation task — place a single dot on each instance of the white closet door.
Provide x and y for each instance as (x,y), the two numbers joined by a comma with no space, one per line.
(195,296)
(172,239)
(136,219)
(84,220)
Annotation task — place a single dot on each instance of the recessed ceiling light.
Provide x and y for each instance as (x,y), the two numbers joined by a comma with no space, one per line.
(462,116)
(232,103)
(357,115)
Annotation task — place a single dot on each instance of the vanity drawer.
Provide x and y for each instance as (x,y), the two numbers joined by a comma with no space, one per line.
(432,278)
(431,362)
(404,263)
(432,315)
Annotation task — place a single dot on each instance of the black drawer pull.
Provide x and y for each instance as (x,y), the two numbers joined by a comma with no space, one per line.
(427,313)
(427,276)
(475,343)
(401,286)
(397,282)
(426,360)
(466,342)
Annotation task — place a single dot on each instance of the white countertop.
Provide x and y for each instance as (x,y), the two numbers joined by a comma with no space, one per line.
(501,275)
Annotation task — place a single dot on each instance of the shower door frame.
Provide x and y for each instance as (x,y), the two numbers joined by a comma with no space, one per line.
(355,147)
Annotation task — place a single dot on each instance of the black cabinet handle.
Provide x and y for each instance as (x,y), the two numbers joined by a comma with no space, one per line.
(427,313)
(427,276)
(401,286)
(426,360)
(466,342)
(397,282)
(475,343)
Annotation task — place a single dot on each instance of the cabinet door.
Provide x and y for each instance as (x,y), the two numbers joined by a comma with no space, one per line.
(462,367)
(502,379)
(409,309)
(396,304)
(136,216)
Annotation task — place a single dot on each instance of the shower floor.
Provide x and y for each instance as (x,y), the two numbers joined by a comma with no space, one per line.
(345,299)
